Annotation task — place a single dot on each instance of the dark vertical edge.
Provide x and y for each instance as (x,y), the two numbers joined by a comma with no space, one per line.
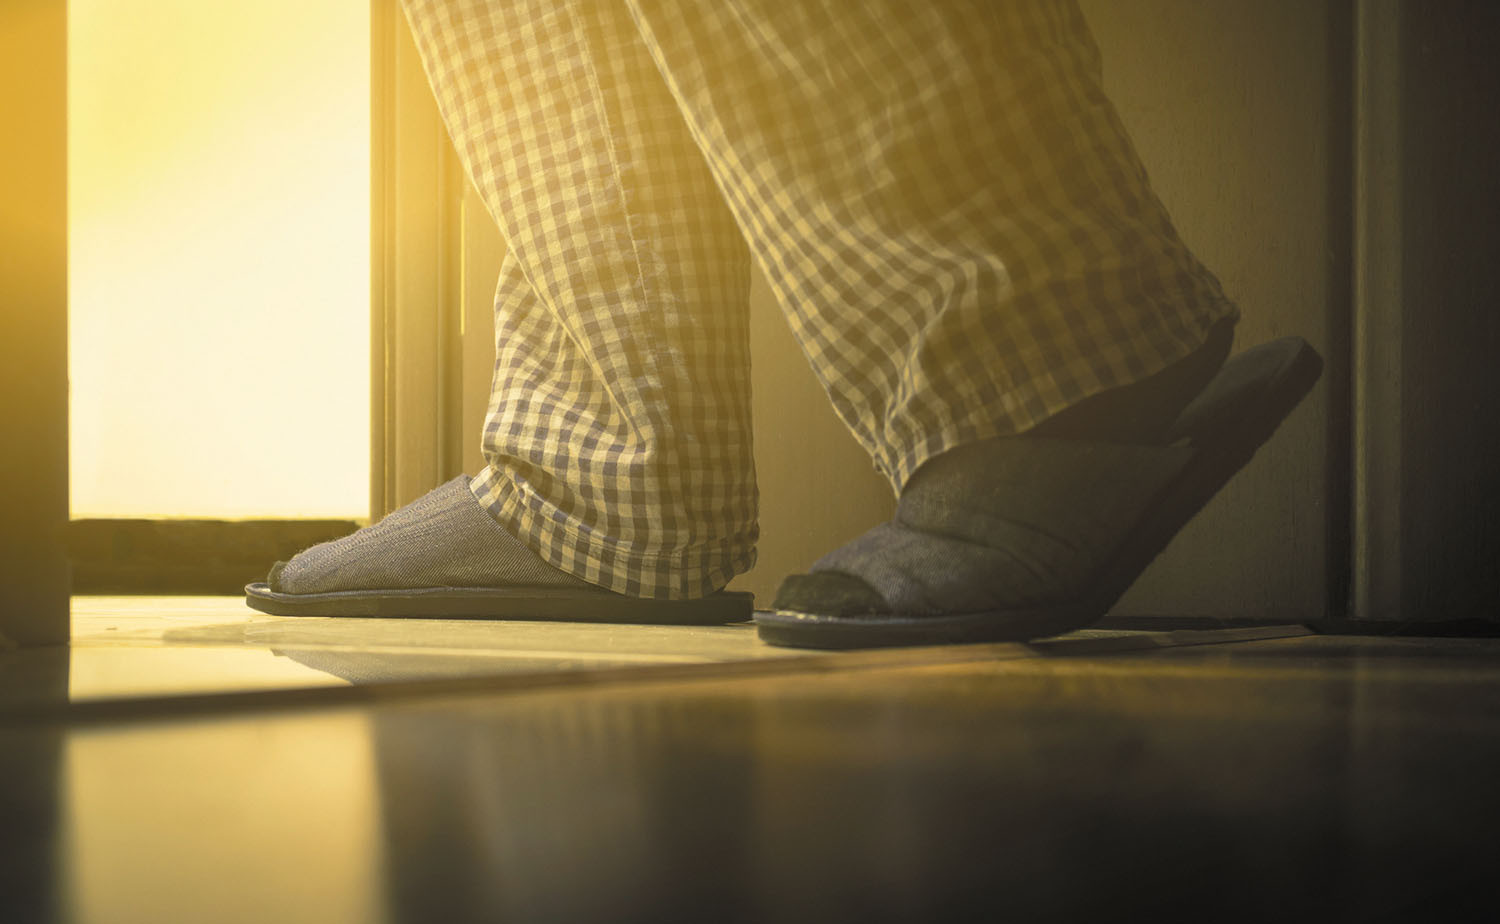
(382,45)
(1339,336)
(450,314)
(1450,230)
(34,576)
(1378,313)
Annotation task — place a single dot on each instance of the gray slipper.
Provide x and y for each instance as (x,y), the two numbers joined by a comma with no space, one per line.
(443,555)
(1051,537)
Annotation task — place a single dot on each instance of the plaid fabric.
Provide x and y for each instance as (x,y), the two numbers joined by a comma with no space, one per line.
(944,202)
(618,433)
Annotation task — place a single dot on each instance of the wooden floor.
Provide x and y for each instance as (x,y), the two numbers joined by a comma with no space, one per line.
(189,762)
(143,655)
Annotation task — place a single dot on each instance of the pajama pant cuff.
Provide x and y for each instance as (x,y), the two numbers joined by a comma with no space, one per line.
(572,547)
(903,458)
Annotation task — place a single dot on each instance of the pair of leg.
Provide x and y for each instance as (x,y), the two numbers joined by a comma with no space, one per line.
(947,209)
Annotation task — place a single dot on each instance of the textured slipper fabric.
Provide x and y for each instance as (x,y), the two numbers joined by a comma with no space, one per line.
(444,555)
(442,539)
(1008,527)
(1022,537)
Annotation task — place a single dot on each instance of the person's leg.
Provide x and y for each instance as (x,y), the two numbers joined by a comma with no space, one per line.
(618,435)
(945,204)
(968,249)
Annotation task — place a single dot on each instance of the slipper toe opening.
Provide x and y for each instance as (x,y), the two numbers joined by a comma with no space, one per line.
(828,593)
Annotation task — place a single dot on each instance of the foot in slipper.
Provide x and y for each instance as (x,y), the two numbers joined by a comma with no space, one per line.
(443,555)
(1029,536)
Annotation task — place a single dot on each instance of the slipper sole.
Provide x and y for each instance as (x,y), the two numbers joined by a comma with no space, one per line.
(1268,382)
(521,603)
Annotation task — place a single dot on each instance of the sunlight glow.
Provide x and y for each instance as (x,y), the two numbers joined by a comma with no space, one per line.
(218,172)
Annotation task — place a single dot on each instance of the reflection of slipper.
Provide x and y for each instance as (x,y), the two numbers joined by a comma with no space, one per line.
(1110,507)
(548,603)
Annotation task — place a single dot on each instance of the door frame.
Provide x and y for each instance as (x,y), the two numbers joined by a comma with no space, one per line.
(416,440)
(34,579)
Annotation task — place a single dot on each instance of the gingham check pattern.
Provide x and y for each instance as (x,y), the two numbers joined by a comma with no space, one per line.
(944,202)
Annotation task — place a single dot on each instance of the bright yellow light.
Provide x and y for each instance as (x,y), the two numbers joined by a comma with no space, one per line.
(218,172)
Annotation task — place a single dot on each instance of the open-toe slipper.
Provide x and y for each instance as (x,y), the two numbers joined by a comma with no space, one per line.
(1212,439)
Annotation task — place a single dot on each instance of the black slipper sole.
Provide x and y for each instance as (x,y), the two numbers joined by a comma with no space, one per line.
(1233,417)
(525,603)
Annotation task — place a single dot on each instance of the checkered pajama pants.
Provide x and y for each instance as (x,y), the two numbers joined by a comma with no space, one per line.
(945,204)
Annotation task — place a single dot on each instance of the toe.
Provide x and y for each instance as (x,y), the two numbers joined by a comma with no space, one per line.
(828,593)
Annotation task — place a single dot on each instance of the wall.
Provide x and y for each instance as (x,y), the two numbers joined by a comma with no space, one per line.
(1239,112)
(1448,430)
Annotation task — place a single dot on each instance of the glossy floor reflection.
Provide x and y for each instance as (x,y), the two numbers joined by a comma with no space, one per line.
(139,649)
(1308,778)
(135,647)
